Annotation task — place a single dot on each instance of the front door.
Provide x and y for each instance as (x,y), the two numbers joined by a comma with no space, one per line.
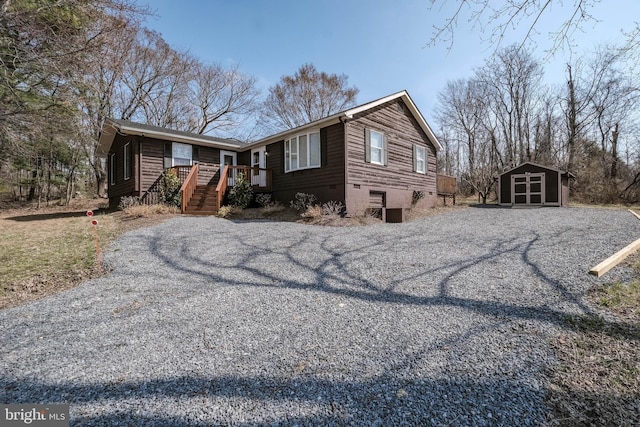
(258,167)
(527,189)
(229,158)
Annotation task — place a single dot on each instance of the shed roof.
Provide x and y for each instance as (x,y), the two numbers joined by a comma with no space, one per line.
(539,166)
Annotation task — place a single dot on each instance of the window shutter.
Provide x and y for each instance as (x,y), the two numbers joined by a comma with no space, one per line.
(286,156)
(323,147)
(167,155)
(415,158)
(195,154)
(384,150)
(426,161)
(367,145)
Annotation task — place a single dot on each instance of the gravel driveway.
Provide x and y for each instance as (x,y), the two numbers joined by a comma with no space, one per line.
(203,321)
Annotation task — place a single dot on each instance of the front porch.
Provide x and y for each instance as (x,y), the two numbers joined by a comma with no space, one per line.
(207,199)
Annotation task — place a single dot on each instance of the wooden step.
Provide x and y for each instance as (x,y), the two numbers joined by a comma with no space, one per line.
(203,201)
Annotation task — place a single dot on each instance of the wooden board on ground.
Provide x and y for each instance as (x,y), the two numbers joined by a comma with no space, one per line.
(614,259)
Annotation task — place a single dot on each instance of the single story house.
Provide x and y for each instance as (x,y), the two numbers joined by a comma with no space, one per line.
(530,184)
(379,155)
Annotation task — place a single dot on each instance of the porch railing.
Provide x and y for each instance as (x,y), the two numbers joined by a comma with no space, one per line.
(260,178)
(182,172)
(188,184)
(221,188)
(446,185)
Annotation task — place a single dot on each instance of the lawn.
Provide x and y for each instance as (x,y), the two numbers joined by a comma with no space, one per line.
(48,250)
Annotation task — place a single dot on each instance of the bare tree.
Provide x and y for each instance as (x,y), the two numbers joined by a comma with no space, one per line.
(499,18)
(306,96)
(46,52)
(220,98)
(513,77)
(463,109)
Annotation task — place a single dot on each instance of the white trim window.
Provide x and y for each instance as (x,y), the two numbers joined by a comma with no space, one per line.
(112,169)
(182,154)
(419,159)
(375,147)
(126,162)
(302,152)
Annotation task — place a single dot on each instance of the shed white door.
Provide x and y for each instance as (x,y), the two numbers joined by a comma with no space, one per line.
(527,189)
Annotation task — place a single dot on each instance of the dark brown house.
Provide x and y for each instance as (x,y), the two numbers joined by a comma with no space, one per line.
(377,155)
(533,185)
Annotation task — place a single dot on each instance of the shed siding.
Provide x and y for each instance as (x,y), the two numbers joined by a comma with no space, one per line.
(397,179)
(326,182)
(556,186)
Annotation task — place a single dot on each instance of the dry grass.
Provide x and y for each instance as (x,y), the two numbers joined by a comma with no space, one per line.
(597,380)
(148,211)
(48,250)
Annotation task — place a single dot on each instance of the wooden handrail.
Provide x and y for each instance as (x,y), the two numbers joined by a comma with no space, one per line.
(221,188)
(188,187)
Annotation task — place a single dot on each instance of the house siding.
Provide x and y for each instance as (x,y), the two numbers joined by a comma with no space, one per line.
(326,182)
(397,180)
(123,187)
(148,165)
(153,163)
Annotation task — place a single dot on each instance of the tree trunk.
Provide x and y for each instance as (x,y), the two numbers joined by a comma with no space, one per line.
(101,180)
(572,121)
(614,153)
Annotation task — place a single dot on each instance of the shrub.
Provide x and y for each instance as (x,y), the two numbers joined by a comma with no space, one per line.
(241,193)
(312,212)
(417,196)
(169,188)
(332,208)
(229,211)
(128,201)
(272,208)
(263,199)
(303,201)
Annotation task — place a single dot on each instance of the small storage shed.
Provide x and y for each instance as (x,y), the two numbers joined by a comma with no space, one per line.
(533,185)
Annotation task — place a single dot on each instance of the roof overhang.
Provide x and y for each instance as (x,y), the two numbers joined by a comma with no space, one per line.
(350,114)
(111,128)
(404,95)
(569,174)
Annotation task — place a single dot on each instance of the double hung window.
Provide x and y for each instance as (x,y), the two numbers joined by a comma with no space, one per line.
(419,159)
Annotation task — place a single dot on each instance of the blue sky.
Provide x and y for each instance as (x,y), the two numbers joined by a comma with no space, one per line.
(381,45)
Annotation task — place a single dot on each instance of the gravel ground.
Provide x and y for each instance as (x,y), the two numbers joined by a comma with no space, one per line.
(203,321)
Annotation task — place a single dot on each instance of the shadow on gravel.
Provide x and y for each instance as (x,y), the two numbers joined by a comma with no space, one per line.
(333,275)
(289,401)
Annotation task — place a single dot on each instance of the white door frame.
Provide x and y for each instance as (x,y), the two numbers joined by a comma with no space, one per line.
(232,176)
(527,183)
(259,177)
